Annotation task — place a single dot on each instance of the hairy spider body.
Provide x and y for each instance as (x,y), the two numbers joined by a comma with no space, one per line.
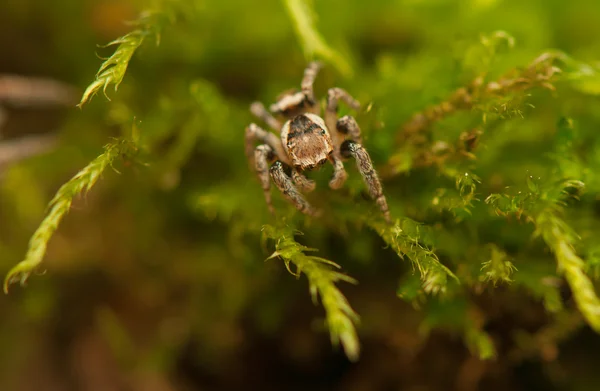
(306,142)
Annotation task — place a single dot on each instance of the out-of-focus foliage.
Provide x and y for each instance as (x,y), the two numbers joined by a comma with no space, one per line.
(59,206)
(480,116)
(303,19)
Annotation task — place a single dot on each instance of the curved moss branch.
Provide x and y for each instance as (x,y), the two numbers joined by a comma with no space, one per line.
(541,72)
(313,44)
(321,275)
(82,182)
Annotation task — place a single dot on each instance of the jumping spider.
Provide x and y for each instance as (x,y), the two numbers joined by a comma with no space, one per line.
(307,142)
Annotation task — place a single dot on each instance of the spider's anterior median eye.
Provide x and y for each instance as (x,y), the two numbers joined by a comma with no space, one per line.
(323,132)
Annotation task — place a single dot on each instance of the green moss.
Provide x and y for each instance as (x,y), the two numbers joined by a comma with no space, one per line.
(482,134)
(59,206)
(322,276)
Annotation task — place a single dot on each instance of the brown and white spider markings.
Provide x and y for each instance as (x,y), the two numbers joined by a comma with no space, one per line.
(307,142)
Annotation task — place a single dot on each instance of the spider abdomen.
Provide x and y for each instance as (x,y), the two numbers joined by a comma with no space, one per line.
(306,141)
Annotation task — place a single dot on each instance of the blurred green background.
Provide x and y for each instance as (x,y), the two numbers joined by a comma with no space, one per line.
(156,280)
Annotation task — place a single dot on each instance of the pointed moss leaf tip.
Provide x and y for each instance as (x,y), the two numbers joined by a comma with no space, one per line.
(112,71)
(498,268)
(82,182)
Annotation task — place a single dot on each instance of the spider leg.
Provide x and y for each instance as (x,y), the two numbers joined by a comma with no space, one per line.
(333,97)
(339,173)
(256,133)
(310,74)
(263,154)
(286,186)
(303,182)
(365,166)
(347,125)
(335,94)
(259,110)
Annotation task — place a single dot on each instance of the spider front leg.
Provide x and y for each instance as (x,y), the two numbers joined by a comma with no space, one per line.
(310,74)
(303,182)
(259,110)
(255,133)
(339,173)
(365,166)
(286,186)
(347,125)
(263,155)
(334,96)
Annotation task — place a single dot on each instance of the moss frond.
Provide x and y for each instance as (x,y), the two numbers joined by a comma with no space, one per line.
(434,275)
(459,200)
(82,182)
(498,268)
(554,231)
(493,97)
(322,276)
(313,44)
(112,71)
(543,207)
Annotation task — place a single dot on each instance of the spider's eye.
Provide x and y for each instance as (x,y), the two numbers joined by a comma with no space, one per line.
(323,132)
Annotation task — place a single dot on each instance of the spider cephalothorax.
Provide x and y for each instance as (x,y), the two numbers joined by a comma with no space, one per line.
(307,142)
